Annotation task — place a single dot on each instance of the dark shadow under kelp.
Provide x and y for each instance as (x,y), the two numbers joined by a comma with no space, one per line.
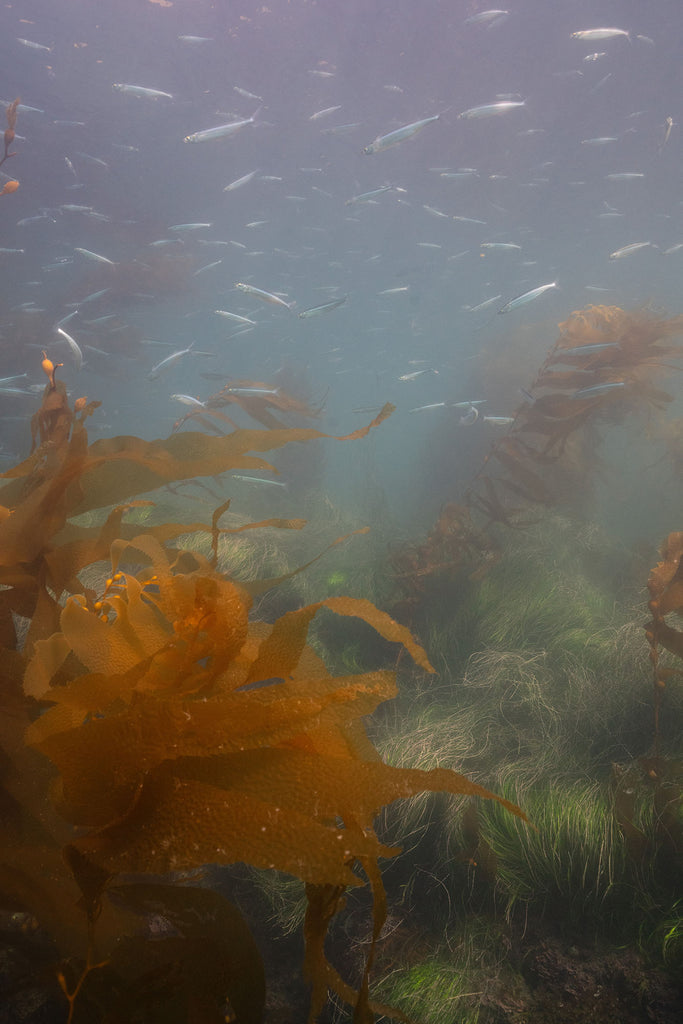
(150,728)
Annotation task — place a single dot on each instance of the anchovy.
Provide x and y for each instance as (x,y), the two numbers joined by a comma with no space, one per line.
(74,347)
(491,109)
(502,246)
(34,46)
(251,391)
(425,408)
(221,131)
(326,307)
(486,304)
(415,374)
(594,35)
(486,18)
(628,250)
(257,480)
(586,350)
(207,266)
(625,176)
(189,400)
(383,142)
(499,421)
(259,293)
(141,91)
(169,361)
(324,113)
(94,256)
(245,92)
(244,180)
(194,226)
(235,317)
(521,300)
(596,390)
(366,197)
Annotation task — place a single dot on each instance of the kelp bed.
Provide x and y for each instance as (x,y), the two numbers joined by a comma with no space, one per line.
(149,728)
(152,727)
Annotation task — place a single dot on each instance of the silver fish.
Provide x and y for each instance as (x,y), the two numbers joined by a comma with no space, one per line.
(367,197)
(501,246)
(141,92)
(207,266)
(34,46)
(95,257)
(426,408)
(245,92)
(499,421)
(596,390)
(595,35)
(238,182)
(415,374)
(326,307)
(584,350)
(168,362)
(235,317)
(257,480)
(324,113)
(491,109)
(189,400)
(74,348)
(486,18)
(628,250)
(486,304)
(383,142)
(521,300)
(221,131)
(251,391)
(194,226)
(259,293)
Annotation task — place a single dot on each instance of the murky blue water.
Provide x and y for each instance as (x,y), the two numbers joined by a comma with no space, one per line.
(584,162)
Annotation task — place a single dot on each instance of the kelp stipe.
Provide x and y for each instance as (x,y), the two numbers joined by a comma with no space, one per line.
(151,727)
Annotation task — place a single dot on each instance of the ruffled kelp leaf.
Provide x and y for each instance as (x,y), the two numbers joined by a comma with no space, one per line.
(280,652)
(122,467)
(104,760)
(177,823)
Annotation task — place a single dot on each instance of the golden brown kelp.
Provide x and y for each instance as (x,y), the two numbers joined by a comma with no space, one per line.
(600,372)
(665,587)
(8,139)
(258,399)
(174,732)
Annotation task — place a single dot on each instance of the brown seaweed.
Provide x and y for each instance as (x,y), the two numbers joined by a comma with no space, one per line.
(548,455)
(174,732)
(8,137)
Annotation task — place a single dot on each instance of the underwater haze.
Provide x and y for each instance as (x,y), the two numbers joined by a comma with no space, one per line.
(233,234)
(549,154)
